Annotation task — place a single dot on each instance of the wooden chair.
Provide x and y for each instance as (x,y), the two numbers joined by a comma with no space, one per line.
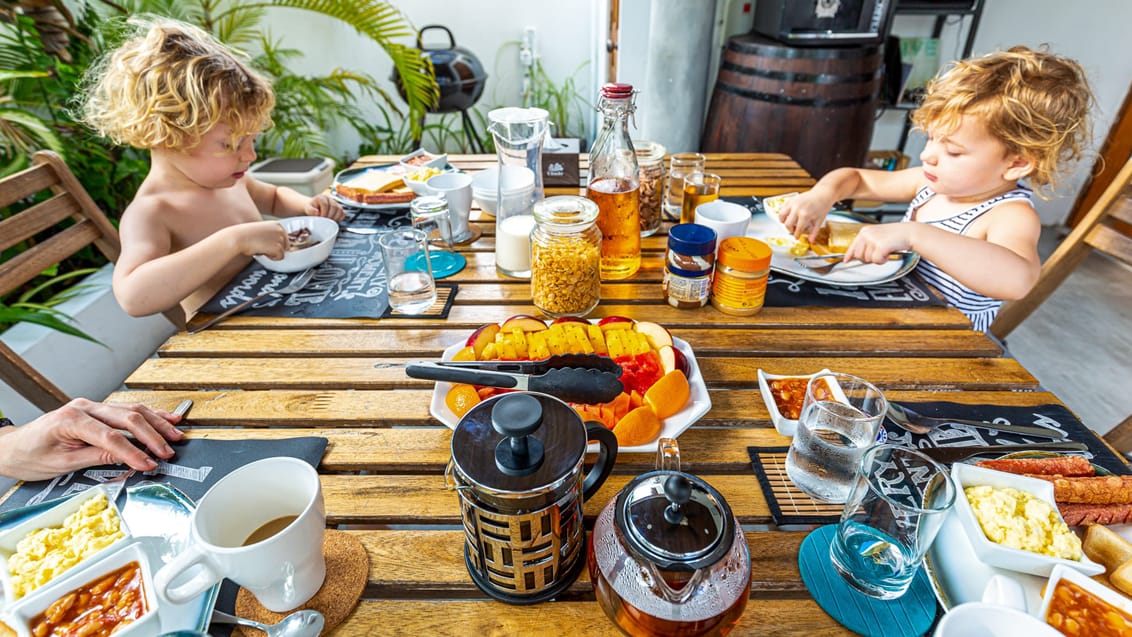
(1120,436)
(58,227)
(1100,229)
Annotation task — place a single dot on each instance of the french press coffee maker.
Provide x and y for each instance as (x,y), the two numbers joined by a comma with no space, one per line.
(517,467)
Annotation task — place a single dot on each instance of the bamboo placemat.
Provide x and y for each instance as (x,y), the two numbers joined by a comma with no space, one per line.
(788,504)
(445,294)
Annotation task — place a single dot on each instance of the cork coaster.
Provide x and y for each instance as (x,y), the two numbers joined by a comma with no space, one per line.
(347,569)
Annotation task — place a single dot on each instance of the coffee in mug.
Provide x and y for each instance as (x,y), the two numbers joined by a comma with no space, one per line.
(260,526)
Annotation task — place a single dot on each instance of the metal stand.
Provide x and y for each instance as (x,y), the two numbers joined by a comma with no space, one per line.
(471,136)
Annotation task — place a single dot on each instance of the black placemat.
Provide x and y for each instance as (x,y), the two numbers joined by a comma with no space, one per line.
(789,505)
(783,290)
(349,284)
(197,465)
(1050,416)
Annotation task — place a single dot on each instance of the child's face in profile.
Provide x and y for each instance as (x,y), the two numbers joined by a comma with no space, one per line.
(215,162)
(967,163)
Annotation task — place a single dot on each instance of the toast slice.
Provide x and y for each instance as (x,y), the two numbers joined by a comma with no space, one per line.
(376,187)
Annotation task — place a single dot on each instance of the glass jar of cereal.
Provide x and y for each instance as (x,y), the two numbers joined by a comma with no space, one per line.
(650,160)
(566,256)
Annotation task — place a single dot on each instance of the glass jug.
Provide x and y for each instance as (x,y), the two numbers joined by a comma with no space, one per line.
(667,556)
(519,134)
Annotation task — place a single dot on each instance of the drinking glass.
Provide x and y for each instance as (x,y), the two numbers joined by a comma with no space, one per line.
(408,270)
(895,507)
(431,216)
(679,166)
(840,418)
(698,188)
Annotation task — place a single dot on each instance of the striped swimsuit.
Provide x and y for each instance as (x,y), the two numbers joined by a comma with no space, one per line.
(981,309)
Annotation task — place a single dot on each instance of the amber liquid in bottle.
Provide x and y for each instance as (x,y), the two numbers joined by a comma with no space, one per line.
(633,621)
(619,219)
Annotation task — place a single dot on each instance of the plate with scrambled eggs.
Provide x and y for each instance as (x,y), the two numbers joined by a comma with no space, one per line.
(154,520)
(962,561)
(784,248)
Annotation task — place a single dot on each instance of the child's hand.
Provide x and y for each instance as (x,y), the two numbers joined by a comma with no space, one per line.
(324,206)
(874,243)
(268,238)
(803,214)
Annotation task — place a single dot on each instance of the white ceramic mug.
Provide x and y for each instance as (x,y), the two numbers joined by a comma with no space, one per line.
(726,218)
(456,188)
(283,569)
(982,618)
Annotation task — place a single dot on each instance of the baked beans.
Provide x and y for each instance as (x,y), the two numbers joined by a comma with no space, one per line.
(789,393)
(1075,611)
(95,609)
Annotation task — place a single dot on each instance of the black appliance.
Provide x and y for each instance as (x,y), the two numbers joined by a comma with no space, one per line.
(824,22)
(460,77)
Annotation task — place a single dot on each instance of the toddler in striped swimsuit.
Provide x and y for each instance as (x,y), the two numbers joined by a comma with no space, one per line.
(990,122)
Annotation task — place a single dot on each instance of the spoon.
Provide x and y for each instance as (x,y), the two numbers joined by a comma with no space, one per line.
(357,230)
(295,285)
(301,623)
(916,423)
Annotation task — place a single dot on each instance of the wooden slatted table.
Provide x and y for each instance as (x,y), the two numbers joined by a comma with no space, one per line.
(382,474)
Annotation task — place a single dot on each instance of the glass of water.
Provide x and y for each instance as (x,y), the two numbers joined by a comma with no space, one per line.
(408,270)
(895,507)
(840,417)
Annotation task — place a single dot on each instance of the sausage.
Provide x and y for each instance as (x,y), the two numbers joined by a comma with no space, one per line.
(1076,514)
(1094,490)
(1068,466)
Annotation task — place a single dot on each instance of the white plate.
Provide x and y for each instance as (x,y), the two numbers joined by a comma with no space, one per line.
(698,402)
(345,176)
(774,235)
(158,518)
(958,575)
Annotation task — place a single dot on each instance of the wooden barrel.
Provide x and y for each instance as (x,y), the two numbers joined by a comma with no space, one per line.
(815,104)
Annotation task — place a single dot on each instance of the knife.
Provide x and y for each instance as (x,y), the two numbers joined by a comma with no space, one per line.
(955,454)
(583,361)
(571,384)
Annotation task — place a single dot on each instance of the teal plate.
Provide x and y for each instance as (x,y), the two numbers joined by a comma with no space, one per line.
(158,517)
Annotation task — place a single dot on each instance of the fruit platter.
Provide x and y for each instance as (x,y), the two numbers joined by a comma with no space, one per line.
(664,392)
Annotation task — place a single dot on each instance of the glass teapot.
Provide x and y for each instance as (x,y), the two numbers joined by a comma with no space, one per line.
(667,556)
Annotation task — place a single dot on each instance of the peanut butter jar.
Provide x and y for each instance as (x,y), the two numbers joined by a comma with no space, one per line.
(741,269)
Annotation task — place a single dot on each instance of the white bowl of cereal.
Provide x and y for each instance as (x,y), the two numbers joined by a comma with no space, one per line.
(115,594)
(1012,522)
(310,240)
(73,533)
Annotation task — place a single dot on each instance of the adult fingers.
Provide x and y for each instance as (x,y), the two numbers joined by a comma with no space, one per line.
(147,426)
(106,446)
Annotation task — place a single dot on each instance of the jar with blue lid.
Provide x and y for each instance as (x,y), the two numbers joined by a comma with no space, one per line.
(688,266)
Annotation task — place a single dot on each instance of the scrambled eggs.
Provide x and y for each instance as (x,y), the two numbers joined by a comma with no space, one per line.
(1020,520)
(47,553)
(423,174)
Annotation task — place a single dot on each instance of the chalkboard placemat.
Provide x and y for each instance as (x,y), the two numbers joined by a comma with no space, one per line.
(783,290)
(350,284)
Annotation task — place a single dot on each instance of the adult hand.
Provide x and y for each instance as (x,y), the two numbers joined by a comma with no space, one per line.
(84,433)
(325,206)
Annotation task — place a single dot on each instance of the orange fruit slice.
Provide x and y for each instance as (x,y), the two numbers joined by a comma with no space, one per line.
(668,395)
(461,398)
(637,427)
(465,354)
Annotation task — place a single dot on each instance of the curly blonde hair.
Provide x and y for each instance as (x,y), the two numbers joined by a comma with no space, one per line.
(1034,102)
(170,83)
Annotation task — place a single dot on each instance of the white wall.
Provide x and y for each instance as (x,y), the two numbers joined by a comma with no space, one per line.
(1094,32)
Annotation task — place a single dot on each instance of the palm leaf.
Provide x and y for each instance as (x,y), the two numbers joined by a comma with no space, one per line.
(380,22)
(52,319)
(23,132)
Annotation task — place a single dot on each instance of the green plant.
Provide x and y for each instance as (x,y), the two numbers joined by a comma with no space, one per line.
(563,101)
(25,309)
(46,47)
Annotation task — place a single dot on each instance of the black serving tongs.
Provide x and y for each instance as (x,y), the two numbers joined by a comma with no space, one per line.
(575,378)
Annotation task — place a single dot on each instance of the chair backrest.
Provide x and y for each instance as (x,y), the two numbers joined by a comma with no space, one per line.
(58,227)
(1120,436)
(1100,229)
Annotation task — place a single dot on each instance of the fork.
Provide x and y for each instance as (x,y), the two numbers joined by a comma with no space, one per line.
(830,261)
(295,285)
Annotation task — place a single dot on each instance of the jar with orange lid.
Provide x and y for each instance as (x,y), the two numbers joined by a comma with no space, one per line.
(741,268)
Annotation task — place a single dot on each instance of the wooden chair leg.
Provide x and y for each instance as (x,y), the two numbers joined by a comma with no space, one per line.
(1121,436)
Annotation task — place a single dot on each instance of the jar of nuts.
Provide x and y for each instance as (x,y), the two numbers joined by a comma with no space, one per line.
(650,160)
(565,256)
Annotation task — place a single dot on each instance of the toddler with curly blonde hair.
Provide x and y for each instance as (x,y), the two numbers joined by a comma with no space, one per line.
(990,122)
(197,218)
